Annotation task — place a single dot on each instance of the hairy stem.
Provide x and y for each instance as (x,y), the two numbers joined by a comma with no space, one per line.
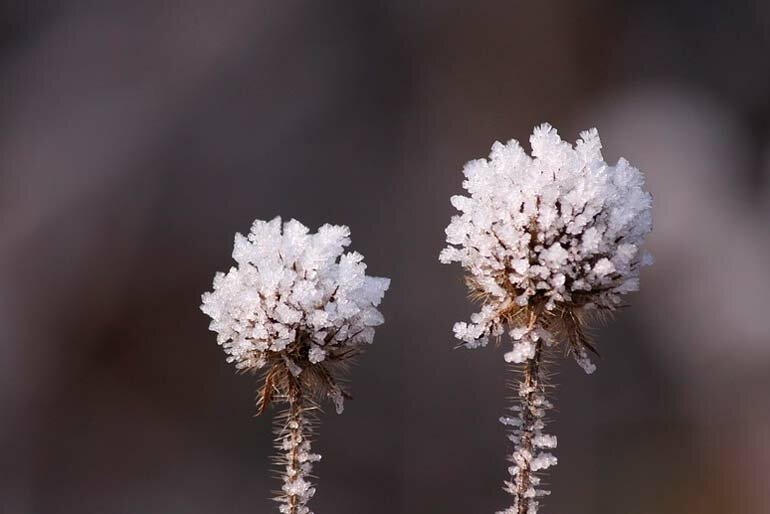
(526,432)
(529,387)
(294,431)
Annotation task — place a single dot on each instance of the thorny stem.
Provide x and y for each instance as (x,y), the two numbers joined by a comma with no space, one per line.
(531,386)
(294,426)
(294,443)
(526,432)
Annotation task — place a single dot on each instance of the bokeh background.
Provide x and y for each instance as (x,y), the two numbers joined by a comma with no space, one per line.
(137,137)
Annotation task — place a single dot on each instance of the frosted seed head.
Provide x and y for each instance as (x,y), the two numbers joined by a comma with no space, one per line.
(294,299)
(562,229)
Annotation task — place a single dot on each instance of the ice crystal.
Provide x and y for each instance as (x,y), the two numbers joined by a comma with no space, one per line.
(560,228)
(294,300)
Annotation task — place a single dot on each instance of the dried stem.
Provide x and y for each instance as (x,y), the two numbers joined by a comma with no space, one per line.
(293,441)
(530,385)
(526,434)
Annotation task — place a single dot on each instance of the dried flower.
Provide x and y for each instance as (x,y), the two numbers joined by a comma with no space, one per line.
(545,241)
(299,309)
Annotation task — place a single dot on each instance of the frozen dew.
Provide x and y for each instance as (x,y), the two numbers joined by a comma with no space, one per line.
(560,227)
(293,295)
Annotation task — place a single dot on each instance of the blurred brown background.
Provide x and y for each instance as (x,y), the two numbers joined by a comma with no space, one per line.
(136,137)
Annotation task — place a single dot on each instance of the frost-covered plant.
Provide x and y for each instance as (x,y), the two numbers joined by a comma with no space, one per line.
(545,241)
(299,309)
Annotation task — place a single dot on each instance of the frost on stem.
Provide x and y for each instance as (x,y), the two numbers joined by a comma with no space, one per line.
(547,241)
(526,424)
(298,309)
(294,431)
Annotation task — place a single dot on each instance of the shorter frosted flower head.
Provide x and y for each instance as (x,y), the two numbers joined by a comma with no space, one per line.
(554,234)
(295,304)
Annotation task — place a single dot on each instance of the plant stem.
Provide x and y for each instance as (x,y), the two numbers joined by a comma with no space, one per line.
(530,384)
(528,438)
(294,443)
(295,435)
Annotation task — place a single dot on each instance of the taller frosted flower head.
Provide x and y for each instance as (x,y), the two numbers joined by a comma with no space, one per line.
(547,238)
(296,305)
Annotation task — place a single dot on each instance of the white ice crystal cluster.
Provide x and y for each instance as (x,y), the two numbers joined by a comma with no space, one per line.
(561,227)
(298,458)
(293,295)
